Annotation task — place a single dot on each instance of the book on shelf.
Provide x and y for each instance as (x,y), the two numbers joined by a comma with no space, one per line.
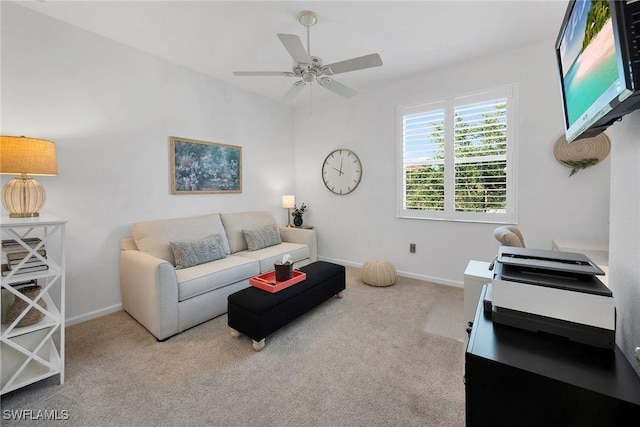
(23,283)
(29,241)
(12,246)
(23,270)
(15,258)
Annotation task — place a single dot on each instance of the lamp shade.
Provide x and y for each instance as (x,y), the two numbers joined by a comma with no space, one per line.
(289,201)
(21,155)
(24,196)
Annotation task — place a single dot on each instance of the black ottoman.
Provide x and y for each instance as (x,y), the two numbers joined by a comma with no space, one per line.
(257,313)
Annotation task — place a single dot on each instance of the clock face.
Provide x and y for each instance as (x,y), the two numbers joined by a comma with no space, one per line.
(341,171)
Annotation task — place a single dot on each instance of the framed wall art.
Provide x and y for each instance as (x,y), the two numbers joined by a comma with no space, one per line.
(204,167)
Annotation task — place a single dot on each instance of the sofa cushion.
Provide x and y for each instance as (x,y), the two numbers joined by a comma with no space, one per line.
(209,276)
(262,237)
(234,223)
(153,237)
(188,254)
(267,256)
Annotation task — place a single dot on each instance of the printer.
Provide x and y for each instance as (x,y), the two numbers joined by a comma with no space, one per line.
(552,292)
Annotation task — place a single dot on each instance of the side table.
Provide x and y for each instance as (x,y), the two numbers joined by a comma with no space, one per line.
(33,352)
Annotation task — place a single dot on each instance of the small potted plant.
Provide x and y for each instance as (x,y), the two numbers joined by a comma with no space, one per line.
(297,214)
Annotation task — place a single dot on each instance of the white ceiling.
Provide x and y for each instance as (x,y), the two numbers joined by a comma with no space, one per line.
(219,37)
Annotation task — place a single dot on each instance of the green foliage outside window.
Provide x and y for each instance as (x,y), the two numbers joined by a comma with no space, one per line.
(480,186)
(598,15)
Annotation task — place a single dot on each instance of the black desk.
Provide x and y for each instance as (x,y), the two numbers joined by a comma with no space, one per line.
(519,378)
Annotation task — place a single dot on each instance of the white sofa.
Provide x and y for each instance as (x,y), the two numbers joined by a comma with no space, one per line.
(168,300)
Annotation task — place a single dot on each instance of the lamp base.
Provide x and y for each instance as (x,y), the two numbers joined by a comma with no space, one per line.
(289,217)
(23,197)
(32,215)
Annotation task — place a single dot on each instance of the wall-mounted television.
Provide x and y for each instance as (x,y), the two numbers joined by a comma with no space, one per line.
(598,53)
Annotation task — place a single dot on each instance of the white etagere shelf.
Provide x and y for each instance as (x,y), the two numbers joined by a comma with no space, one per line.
(32,353)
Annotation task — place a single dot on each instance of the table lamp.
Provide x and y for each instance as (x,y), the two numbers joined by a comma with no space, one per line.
(289,202)
(24,196)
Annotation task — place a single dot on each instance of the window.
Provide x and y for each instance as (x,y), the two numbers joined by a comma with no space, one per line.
(456,158)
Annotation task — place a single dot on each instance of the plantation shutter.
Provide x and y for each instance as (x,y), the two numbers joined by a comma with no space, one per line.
(480,156)
(456,158)
(423,136)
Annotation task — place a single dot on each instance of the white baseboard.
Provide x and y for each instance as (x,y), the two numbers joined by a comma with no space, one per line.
(431,279)
(117,307)
(92,315)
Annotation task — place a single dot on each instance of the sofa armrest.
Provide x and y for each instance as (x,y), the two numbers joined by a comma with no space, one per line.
(149,289)
(302,236)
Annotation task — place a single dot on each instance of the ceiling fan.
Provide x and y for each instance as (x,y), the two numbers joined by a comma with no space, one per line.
(310,69)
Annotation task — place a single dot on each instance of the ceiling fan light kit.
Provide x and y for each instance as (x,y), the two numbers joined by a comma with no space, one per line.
(310,69)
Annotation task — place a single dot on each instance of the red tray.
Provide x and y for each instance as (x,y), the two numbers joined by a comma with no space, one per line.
(267,281)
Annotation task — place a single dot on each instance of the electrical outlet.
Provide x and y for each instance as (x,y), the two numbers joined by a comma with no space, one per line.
(412,248)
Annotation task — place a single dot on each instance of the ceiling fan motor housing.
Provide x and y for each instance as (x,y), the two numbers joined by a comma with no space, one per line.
(308,72)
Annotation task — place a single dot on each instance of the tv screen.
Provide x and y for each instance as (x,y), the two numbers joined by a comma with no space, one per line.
(595,57)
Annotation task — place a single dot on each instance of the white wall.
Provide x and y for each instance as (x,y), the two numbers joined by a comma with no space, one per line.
(363,225)
(110,110)
(624,256)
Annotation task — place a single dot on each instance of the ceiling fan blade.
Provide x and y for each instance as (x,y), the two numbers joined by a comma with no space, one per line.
(293,90)
(353,64)
(296,49)
(337,87)
(264,73)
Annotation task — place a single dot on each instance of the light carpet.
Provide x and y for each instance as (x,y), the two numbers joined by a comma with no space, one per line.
(389,356)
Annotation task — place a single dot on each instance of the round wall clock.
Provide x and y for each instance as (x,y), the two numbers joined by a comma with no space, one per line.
(341,171)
